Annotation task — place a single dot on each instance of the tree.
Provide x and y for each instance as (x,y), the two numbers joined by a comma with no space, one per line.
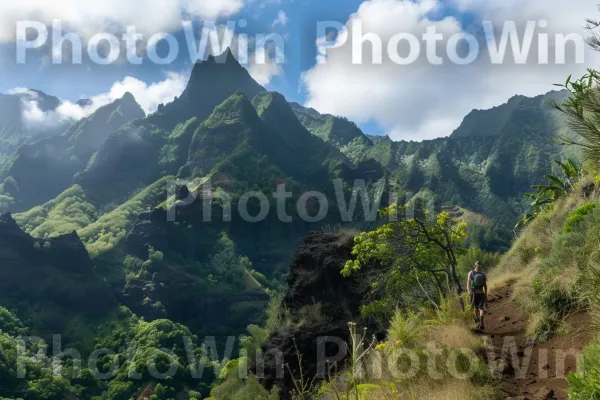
(592,26)
(554,190)
(582,112)
(410,252)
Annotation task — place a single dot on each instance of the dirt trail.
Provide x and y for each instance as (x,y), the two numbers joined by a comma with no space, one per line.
(535,369)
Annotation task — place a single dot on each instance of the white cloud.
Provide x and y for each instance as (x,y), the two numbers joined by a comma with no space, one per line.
(213,9)
(263,73)
(92,17)
(149,96)
(421,100)
(281,20)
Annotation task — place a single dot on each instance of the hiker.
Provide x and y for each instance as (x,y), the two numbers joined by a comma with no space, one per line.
(477,288)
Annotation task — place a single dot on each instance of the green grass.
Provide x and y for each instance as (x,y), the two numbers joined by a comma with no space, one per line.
(110,229)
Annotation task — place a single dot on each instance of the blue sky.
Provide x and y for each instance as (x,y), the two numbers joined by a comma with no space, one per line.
(403,103)
(91,79)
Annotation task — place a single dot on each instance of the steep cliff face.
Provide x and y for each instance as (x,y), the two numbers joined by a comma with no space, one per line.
(321,303)
(204,284)
(49,282)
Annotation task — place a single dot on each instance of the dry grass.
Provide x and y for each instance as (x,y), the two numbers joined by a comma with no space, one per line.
(445,329)
(536,323)
(428,389)
(502,279)
(533,263)
(535,242)
(523,292)
(346,236)
(567,279)
(455,336)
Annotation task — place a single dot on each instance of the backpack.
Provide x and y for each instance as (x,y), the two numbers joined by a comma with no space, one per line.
(478,280)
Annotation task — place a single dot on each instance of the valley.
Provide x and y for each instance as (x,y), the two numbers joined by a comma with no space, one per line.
(146,234)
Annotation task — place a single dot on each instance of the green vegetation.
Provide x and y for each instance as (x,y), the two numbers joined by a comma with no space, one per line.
(578,215)
(105,233)
(425,315)
(136,353)
(415,260)
(152,285)
(554,190)
(553,257)
(10,324)
(585,383)
(581,112)
(70,211)
(512,141)
(439,339)
(578,242)
(242,390)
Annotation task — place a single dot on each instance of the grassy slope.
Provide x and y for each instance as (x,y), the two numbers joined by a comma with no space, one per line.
(70,211)
(111,228)
(549,265)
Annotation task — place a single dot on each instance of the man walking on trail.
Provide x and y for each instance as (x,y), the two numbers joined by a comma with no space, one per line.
(477,288)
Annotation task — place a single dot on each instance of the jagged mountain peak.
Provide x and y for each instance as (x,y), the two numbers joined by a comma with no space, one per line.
(128,97)
(44,101)
(222,65)
(226,57)
(211,82)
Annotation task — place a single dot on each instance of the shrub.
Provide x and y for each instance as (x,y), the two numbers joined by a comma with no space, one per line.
(237,389)
(155,256)
(10,324)
(406,329)
(526,254)
(577,216)
(585,383)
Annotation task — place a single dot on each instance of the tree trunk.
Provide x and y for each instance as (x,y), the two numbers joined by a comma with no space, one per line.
(457,286)
(456,280)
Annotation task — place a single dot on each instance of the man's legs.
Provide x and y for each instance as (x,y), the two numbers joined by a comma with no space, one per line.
(478,308)
(475,309)
(481,314)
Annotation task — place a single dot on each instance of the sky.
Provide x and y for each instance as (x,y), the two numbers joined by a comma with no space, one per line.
(407,94)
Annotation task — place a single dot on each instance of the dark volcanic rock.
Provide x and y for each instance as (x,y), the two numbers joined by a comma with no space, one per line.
(315,279)
(315,276)
(49,281)
(183,296)
(182,192)
(149,231)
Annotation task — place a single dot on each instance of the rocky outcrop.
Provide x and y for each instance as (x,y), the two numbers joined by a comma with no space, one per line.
(321,303)
(175,288)
(150,230)
(49,281)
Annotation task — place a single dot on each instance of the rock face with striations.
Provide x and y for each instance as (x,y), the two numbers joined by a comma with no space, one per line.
(315,283)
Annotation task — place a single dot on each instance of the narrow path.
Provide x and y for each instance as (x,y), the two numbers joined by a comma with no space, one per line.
(533,370)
